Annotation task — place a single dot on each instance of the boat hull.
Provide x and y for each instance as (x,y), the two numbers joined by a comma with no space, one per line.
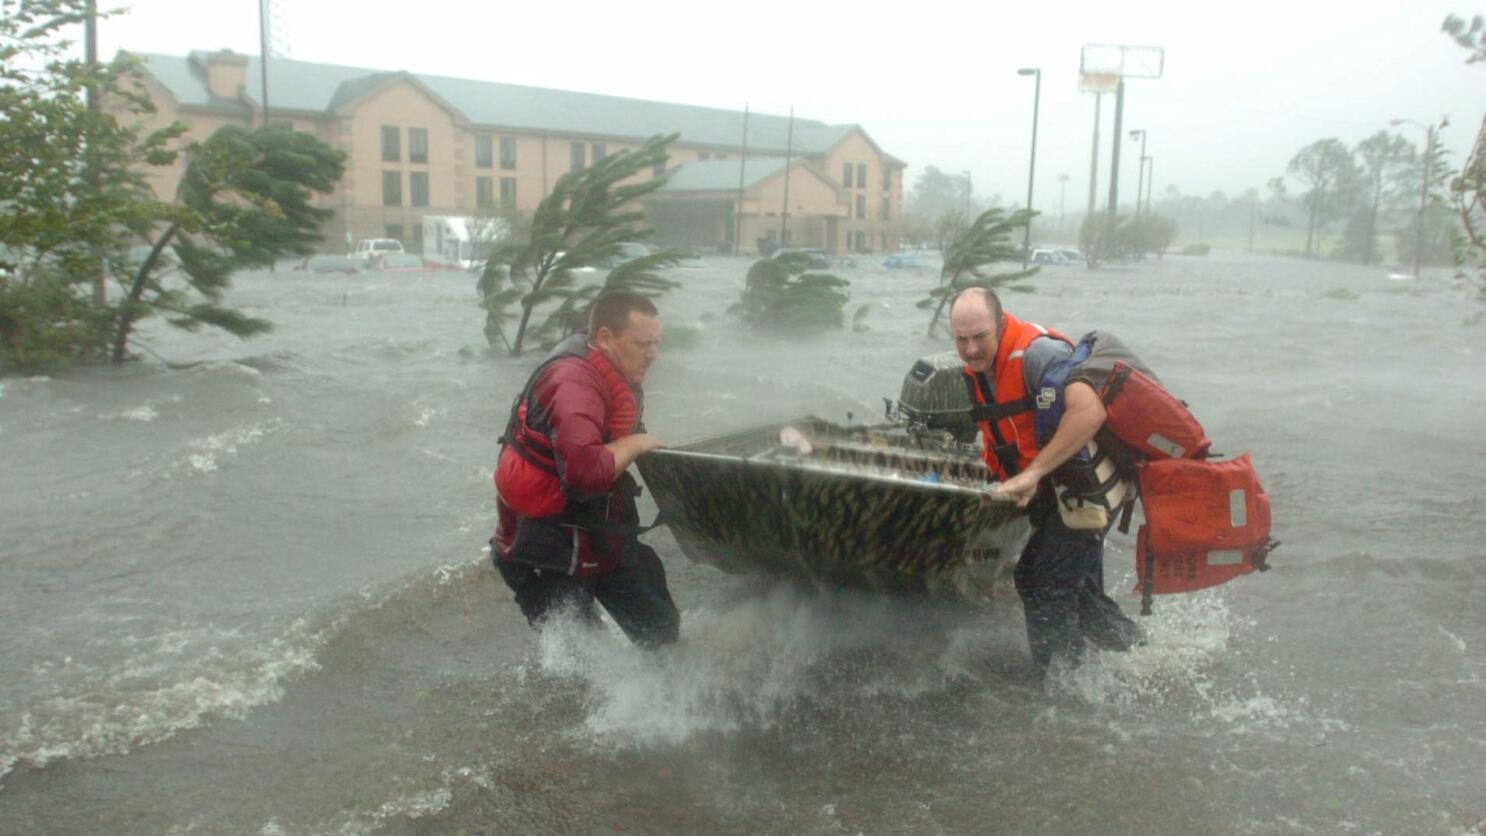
(864,509)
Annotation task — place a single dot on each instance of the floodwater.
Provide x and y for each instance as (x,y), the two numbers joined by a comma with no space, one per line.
(249,595)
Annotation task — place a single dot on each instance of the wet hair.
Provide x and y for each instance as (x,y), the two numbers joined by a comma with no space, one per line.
(612,309)
(988,296)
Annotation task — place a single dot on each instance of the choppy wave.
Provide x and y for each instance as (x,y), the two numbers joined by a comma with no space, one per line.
(111,717)
(158,691)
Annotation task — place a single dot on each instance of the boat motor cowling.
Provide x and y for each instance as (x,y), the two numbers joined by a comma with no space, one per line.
(934,396)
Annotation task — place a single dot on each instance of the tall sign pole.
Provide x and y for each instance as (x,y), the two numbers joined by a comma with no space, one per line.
(1120,62)
(1094,160)
(1114,156)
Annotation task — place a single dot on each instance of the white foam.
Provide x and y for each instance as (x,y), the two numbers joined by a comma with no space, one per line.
(1184,635)
(206,455)
(742,666)
(144,414)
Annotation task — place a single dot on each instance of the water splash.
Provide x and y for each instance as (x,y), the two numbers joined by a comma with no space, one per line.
(747,665)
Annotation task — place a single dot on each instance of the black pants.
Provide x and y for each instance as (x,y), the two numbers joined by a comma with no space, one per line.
(635,596)
(1060,578)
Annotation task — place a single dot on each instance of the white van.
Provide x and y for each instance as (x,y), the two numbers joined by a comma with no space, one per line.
(370,249)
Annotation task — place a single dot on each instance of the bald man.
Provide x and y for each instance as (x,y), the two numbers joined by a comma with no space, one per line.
(1014,369)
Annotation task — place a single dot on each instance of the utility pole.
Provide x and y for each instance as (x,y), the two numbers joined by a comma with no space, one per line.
(789,150)
(1423,197)
(1036,73)
(742,164)
(90,46)
(263,53)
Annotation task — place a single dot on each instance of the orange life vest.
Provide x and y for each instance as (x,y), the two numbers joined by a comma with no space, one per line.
(1005,413)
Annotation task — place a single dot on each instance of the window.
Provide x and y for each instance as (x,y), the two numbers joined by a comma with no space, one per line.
(846,175)
(394,231)
(722,156)
(704,156)
(391,147)
(418,145)
(887,209)
(485,191)
(484,151)
(508,192)
(418,185)
(861,175)
(392,188)
(887,179)
(508,152)
(576,152)
(861,207)
(861,242)
(599,152)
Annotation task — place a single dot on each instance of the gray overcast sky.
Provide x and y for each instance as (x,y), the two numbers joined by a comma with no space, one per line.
(935,83)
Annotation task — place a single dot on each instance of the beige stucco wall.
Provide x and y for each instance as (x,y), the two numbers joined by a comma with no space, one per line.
(541,158)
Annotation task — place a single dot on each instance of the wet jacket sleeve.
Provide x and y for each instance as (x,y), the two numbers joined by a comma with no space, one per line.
(574,402)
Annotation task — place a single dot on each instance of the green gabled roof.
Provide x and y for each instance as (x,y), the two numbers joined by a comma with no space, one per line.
(317,88)
(721,175)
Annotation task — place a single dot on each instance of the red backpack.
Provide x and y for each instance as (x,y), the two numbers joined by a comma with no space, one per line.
(1206,520)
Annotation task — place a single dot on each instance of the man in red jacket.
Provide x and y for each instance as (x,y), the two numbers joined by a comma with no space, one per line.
(568,528)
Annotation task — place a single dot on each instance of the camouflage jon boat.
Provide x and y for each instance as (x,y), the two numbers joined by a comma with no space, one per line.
(886,508)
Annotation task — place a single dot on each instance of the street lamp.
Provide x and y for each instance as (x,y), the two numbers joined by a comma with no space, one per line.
(1150,181)
(1036,73)
(1424,186)
(1140,134)
(1062,202)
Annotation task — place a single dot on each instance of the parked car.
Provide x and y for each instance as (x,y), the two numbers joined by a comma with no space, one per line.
(332,264)
(370,248)
(816,258)
(399,263)
(904,261)
(1047,257)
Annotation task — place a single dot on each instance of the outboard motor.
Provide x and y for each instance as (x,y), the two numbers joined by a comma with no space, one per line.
(934,397)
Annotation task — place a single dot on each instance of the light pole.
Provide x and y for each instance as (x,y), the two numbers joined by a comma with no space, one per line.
(1150,180)
(1140,134)
(1036,73)
(1062,202)
(1423,186)
(969,193)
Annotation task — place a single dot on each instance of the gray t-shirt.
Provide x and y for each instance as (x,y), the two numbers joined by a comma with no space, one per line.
(1041,353)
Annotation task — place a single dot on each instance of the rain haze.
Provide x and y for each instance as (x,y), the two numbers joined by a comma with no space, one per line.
(248,582)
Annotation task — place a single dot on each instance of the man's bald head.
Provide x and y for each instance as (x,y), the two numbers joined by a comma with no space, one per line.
(978,295)
(975,323)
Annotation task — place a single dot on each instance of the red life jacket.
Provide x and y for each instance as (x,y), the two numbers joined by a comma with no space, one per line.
(527,479)
(1005,415)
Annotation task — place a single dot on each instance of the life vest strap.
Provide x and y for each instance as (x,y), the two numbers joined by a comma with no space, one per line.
(549,466)
(1001,410)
